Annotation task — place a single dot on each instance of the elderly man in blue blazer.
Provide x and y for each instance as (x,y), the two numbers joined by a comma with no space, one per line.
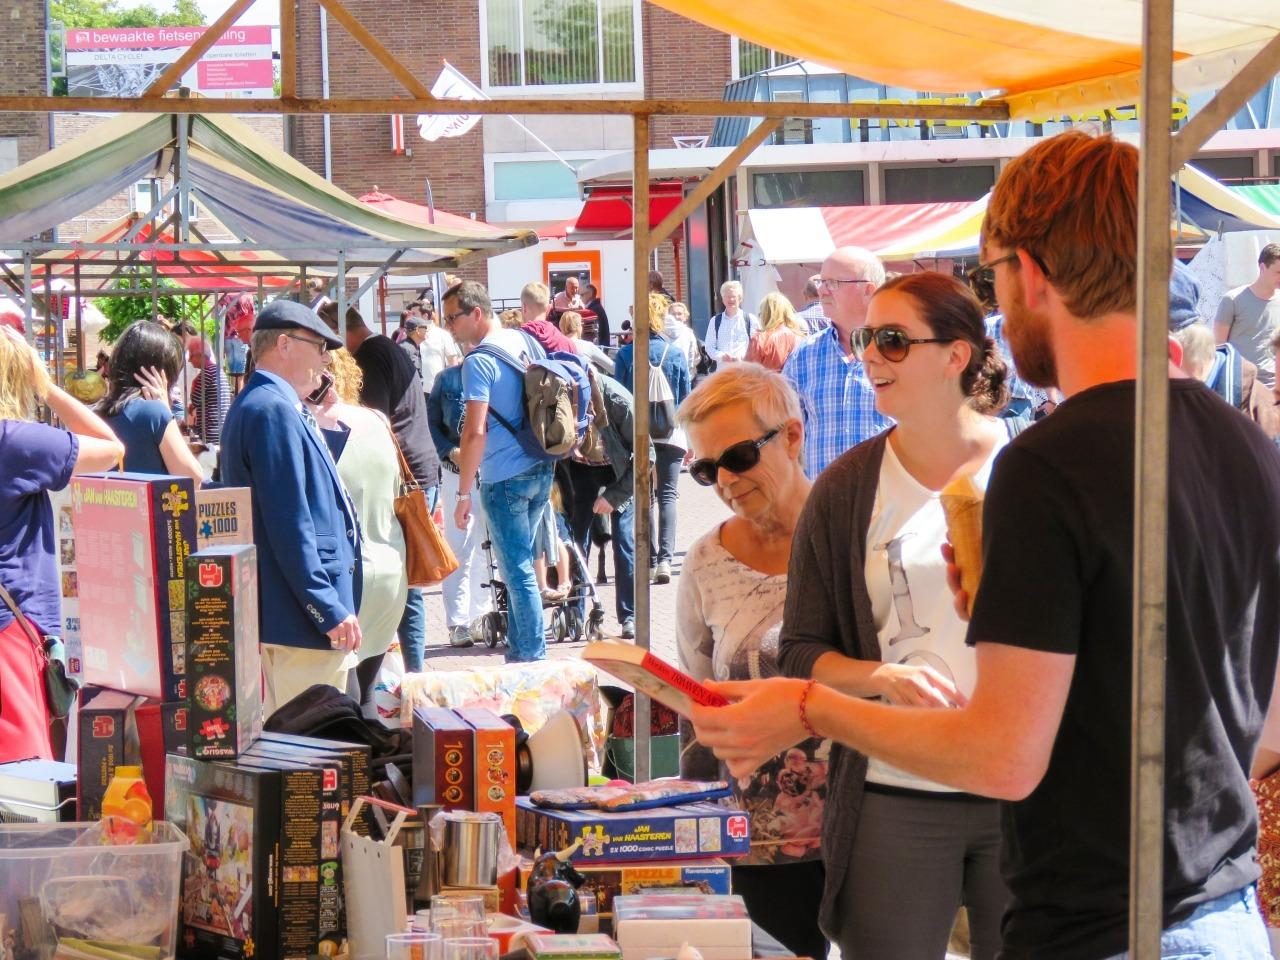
(304,525)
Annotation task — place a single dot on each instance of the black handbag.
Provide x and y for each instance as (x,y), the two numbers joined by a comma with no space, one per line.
(60,690)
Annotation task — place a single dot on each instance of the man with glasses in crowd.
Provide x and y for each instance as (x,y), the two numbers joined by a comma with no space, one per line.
(304,526)
(838,403)
(514,486)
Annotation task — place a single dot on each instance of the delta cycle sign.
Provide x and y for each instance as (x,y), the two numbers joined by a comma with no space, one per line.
(124,62)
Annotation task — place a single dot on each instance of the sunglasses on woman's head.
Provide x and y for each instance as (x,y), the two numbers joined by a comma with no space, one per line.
(738,458)
(892,342)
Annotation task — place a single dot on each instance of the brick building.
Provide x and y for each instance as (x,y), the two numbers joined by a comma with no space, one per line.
(510,48)
(23,136)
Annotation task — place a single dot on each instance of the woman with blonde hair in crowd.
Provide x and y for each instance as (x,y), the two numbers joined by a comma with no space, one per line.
(676,328)
(669,450)
(746,433)
(35,459)
(369,467)
(780,331)
(571,326)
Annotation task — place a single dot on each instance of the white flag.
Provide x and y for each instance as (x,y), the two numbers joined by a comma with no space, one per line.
(452,84)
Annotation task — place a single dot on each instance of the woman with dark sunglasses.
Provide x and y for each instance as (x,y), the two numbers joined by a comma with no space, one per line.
(745,429)
(870,614)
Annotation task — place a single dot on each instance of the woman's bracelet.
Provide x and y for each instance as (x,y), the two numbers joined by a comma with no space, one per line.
(804,713)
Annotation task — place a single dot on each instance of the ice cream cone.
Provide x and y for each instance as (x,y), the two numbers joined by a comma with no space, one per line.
(962,503)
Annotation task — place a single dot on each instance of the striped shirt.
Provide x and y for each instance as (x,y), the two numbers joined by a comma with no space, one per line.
(838,404)
(814,317)
(211,397)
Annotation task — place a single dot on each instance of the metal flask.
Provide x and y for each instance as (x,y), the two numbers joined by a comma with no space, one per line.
(471,844)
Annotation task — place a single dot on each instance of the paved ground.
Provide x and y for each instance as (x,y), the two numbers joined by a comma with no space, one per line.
(698,510)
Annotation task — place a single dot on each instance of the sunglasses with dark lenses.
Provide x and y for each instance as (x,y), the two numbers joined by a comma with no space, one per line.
(738,458)
(892,342)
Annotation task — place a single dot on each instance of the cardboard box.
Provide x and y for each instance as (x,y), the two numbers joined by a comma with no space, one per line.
(649,926)
(309,880)
(335,785)
(117,729)
(174,716)
(569,946)
(605,881)
(68,580)
(224,516)
(691,831)
(224,667)
(443,759)
(495,765)
(133,533)
(356,758)
(230,884)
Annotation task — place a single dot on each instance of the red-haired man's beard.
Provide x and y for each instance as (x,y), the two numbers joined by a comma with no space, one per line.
(1027,333)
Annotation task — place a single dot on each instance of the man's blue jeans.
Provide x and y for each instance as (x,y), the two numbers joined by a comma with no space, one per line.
(512,508)
(413,624)
(1229,927)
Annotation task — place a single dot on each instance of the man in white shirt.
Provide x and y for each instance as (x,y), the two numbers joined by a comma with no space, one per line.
(568,298)
(436,348)
(730,331)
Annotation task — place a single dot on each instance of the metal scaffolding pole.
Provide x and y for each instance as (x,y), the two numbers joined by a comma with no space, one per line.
(640,446)
(1151,490)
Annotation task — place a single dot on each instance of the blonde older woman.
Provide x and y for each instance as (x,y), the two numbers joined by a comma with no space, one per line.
(780,331)
(677,329)
(746,434)
(370,470)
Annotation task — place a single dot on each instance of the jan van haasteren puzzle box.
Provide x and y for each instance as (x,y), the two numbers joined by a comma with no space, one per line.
(133,533)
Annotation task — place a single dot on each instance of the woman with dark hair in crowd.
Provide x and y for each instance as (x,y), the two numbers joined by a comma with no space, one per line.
(35,459)
(144,366)
(891,838)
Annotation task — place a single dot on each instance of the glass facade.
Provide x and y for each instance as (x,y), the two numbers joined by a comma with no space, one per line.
(549,43)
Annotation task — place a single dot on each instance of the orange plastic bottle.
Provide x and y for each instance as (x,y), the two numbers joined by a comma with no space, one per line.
(126,808)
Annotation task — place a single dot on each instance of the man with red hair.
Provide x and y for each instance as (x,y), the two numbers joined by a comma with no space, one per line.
(1048,726)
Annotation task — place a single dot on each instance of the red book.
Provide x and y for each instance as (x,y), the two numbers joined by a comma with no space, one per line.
(652,675)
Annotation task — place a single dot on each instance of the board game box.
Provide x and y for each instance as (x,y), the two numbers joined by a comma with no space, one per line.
(117,729)
(690,831)
(224,667)
(224,516)
(356,759)
(495,765)
(133,533)
(444,761)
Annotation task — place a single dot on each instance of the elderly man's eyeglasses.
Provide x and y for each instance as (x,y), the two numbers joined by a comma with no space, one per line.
(450,317)
(320,345)
(892,342)
(835,282)
(738,458)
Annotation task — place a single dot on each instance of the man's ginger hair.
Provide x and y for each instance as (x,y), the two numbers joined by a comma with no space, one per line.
(1072,203)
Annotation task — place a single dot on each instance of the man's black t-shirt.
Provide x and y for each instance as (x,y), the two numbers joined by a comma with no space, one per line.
(393,387)
(1058,577)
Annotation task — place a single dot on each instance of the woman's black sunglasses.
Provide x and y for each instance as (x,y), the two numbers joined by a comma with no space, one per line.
(892,342)
(738,458)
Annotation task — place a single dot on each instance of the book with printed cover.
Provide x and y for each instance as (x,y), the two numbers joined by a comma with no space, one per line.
(652,675)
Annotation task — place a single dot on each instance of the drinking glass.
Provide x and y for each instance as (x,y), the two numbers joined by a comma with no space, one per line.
(470,948)
(451,928)
(414,946)
(445,906)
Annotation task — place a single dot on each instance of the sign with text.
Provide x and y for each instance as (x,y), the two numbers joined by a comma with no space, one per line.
(125,61)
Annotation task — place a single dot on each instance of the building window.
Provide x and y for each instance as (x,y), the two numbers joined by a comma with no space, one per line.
(534,180)
(749,58)
(939,183)
(809,188)
(142,201)
(561,43)
(1226,168)
(8,153)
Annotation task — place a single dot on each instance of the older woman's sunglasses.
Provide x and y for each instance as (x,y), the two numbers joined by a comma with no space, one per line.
(892,342)
(738,458)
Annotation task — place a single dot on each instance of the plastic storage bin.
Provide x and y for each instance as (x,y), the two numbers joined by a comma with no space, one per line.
(61,890)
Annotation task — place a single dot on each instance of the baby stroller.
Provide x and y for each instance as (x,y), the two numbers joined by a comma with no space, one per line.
(567,622)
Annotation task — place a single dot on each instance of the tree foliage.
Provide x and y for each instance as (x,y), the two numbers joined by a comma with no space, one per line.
(123,312)
(113,13)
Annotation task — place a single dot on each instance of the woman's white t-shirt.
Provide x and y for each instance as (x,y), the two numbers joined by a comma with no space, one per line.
(907,582)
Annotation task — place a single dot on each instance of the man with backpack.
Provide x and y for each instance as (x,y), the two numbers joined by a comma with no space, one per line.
(730,331)
(512,453)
